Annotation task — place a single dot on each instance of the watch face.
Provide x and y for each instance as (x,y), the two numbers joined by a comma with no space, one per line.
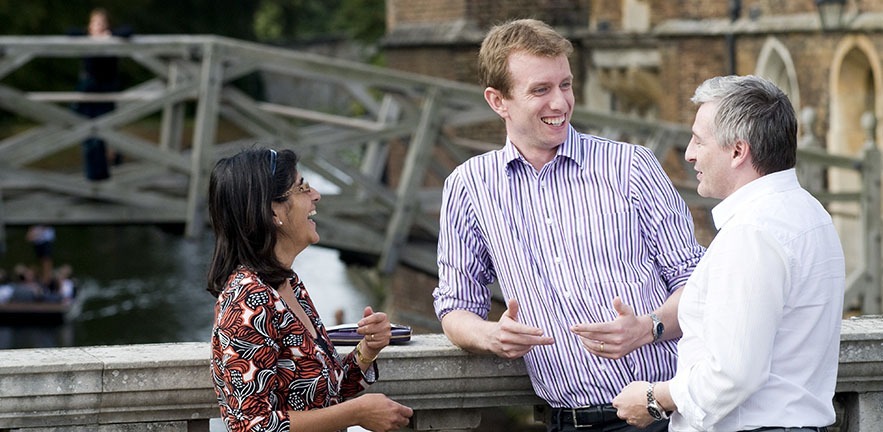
(658,327)
(657,331)
(654,412)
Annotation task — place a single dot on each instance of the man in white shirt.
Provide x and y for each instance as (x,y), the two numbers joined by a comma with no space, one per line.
(761,313)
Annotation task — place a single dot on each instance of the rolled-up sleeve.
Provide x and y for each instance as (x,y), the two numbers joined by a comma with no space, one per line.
(665,219)
(464,265)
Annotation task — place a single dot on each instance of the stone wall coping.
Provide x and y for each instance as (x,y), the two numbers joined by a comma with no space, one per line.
(153,383)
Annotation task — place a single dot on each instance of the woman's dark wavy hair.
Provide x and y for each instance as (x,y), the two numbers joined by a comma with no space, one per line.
(241,190)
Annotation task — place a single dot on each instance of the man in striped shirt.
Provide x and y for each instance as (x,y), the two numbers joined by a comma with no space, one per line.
(573,227)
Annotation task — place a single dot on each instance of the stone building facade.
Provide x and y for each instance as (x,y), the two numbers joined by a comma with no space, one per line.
(646,57)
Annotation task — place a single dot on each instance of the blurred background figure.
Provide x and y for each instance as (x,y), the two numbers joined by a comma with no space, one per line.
(6,288)
(25,285)
(42,238)
(339,316)
(99,75)
(61,288)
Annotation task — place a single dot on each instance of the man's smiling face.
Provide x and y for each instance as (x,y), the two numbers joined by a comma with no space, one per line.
(538,111)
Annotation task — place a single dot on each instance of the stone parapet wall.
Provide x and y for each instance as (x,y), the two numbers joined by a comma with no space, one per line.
(167,387)
(105,385)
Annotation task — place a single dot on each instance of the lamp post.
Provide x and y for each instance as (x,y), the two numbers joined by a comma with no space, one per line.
(831,13)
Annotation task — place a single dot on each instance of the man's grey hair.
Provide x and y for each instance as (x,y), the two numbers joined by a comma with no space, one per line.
(753,110)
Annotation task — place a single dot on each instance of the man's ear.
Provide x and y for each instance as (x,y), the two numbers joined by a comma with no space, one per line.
(741,153)
(494,99)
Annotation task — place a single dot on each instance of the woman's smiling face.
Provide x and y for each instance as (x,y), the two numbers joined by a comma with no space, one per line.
(296,214)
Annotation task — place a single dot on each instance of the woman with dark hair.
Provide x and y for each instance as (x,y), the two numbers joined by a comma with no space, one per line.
(273,365)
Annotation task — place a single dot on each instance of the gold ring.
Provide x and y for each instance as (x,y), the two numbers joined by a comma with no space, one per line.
(601,348)
(371,336)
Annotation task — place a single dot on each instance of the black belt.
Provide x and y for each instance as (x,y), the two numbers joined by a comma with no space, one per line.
(584,417)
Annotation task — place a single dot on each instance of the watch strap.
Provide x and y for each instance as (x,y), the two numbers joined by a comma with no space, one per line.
(653,407)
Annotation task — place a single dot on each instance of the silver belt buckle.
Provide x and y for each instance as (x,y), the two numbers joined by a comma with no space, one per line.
(575,422)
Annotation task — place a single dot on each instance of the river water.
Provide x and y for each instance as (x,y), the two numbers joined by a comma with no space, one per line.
(144,284)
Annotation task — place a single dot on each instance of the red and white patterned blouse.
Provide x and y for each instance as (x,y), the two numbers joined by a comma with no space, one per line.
(265,362)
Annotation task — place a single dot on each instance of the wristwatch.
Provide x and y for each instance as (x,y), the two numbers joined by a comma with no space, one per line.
(653,407)
(657,328)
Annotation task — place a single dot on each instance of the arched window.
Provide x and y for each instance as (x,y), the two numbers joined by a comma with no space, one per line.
(774,63)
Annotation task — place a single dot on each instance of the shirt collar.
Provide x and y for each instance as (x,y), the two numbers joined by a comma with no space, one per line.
(569,149)
(776,182)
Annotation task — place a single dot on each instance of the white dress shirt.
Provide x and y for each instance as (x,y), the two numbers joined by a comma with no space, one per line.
(761,314)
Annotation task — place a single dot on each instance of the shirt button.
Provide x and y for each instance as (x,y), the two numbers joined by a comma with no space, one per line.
(549,221)
(557,260)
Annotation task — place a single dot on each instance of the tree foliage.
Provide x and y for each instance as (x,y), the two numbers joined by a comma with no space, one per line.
(282,22)
(299,20)
(274,21)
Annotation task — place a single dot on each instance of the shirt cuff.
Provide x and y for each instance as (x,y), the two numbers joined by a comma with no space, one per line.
(370,375)
(679,390)
(676,390)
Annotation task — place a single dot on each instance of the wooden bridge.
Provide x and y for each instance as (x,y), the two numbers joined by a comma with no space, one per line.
(386,139)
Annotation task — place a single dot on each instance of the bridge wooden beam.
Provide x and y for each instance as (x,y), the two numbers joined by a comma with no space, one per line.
(211,80)
(413,175)
(172,125)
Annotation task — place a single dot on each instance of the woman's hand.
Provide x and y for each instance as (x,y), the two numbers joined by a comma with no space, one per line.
(377,330)
(380,413)
(372,411)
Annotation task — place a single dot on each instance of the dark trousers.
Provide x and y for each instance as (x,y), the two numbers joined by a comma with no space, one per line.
(95,159)
(604,419)
(621,426)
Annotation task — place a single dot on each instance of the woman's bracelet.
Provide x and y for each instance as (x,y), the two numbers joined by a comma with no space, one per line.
(360,357)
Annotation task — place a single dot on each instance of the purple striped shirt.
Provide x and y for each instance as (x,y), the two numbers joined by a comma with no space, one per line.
(600,220)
